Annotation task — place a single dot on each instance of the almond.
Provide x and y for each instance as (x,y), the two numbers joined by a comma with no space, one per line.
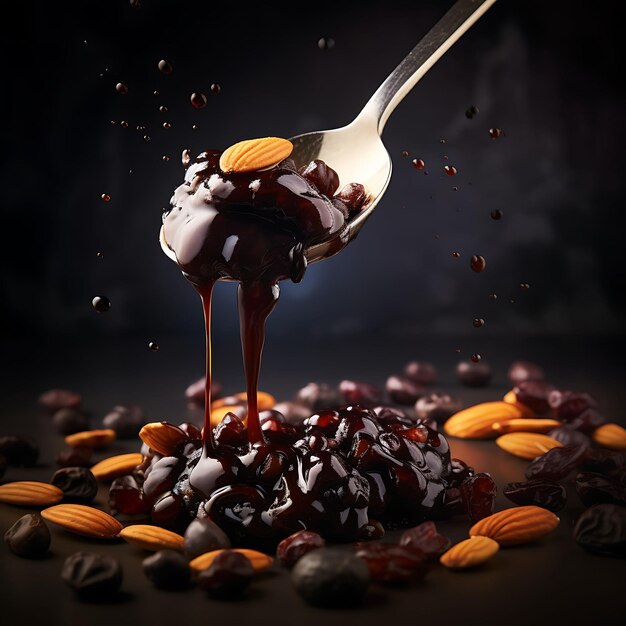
(90,438)
(83,520)
(511,398)
(264,401)
(162,437)
(30,493)
(611,436)
(527,445)
(260,561)
(470,553)
(527,425)
(115,466)
(255,154)
(521,524)
(151,537)
(476,421)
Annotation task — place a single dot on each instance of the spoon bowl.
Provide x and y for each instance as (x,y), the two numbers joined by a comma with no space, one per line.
(356,151)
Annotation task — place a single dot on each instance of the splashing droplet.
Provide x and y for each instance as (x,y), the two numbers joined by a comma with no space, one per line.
(155,92)
(405,153)
(418,164)
(471,112)
(478,263)
(450,170)
(476,357)
(163,108)
(101,304)
(198,100)
(100,255)
(165,67)
(496,214)
(456,255)
(167,125)
(494,133)
(326,43)
(215,88)
(121,88)
(106,197)
(165,157)
(524,285)
(154,346)
(477,322)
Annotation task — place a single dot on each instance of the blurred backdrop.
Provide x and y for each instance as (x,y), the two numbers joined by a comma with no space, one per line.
(546,74)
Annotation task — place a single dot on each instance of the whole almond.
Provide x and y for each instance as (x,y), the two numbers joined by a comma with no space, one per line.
(611,436)
(260,561)
(91,438)
(30,493)
(521,524)
(527,425)
(527,445)
(115,466)
(476,421)
(255,154)
(470,553)
(162,437)
(151,537)
(83,520)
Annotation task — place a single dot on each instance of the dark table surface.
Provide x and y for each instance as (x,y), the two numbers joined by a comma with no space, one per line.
(551,581)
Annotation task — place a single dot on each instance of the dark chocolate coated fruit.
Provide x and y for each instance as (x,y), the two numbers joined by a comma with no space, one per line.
(421,372)
(126,421)
(322,177)
(228,576)
(544,493)
(55,399)
(204,535)
(524,370)
(92,576)
(75,457)
(294,547)
(602,528)
(437,407)
(331,577)
(77,483)
(167,569)
(69,421)
(356,392)
(403,390)
(126,497)
(29,537)
(567,405)
(473,374)
(18,451)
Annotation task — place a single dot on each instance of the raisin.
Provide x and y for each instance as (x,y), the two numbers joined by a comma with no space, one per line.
(291,549)
(426,538)
(390,563)
(478,494)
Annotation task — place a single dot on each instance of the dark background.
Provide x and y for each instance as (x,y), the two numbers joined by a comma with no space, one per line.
(547,74)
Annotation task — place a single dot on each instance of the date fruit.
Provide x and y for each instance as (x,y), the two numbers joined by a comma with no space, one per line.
(602,528)
(544,493)
(167,569)
(92,576)
(426,538)
(228,576)
(294,547)
(557,463)
(390,563)
(598,489)
(29,537)
(78,484)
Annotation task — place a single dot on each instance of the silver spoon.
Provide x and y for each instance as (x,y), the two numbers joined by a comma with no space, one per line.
(356,151)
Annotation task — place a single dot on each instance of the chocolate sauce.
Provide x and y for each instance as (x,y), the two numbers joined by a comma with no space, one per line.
(266,478)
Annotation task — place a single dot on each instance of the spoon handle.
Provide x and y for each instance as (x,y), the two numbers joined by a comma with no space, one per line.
(426,53)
